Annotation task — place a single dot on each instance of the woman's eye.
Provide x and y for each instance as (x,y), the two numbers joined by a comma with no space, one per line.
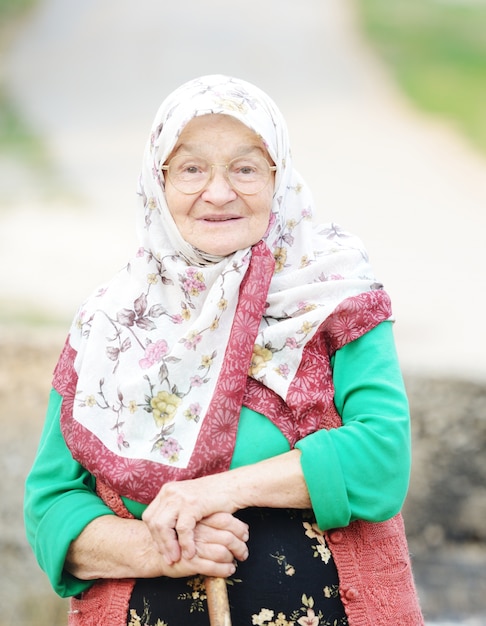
(244,169)
(190,168)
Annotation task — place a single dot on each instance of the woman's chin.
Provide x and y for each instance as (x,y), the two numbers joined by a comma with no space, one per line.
(224,246)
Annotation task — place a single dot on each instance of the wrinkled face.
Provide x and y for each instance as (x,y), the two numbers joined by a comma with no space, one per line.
(219,219)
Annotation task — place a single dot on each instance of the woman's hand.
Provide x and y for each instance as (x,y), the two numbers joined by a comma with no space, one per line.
(175,512)
(219,540)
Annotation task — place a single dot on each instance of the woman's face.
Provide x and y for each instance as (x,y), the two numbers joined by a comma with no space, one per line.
(220,220)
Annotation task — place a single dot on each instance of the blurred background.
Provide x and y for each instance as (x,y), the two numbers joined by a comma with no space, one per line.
(386,108)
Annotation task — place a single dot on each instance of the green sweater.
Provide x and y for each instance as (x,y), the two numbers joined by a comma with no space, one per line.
(360,471)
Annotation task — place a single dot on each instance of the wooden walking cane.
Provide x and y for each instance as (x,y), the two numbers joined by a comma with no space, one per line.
(218,605)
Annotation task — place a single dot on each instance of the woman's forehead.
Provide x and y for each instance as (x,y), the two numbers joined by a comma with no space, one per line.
(217,124)
(218,131)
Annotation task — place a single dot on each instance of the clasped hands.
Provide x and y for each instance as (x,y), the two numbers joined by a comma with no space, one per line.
(193,526)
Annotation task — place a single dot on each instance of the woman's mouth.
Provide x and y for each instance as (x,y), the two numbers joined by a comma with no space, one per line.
(220,219)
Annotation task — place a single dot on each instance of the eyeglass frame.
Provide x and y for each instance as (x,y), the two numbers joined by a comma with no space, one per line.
(271,168)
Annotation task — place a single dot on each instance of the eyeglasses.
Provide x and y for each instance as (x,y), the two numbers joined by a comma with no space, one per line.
(248,175)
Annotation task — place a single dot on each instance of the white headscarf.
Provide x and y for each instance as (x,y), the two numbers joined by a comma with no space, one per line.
(176,327)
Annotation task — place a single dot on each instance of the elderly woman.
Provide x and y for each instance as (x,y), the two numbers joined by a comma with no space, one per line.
(230,404)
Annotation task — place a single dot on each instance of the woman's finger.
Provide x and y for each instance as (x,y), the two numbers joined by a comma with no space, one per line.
(202,566)
(185,527)
(212,543)
(207,533)
(227,521)
(162,526)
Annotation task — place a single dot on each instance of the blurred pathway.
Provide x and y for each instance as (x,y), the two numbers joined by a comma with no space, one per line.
(91,74)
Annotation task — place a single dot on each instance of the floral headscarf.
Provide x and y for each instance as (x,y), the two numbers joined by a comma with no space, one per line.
(163,351)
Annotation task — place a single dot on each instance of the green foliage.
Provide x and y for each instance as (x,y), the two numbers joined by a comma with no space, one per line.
(16,138)
(20,143)
(12,8)
(437,52)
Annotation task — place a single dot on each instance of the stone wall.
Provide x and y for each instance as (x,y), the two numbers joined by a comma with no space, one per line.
(447,498)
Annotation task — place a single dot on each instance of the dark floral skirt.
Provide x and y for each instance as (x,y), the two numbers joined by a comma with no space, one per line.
(289,579)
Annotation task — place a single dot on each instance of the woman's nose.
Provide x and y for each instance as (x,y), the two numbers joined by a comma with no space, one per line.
(219,191)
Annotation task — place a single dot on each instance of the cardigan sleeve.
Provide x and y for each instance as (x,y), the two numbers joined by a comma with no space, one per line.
(362,469)
(59,502)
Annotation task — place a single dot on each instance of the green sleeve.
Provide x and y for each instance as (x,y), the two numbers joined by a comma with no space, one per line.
(362,470)
(59,502)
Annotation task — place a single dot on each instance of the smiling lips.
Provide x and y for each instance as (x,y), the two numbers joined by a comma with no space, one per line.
(222,218)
